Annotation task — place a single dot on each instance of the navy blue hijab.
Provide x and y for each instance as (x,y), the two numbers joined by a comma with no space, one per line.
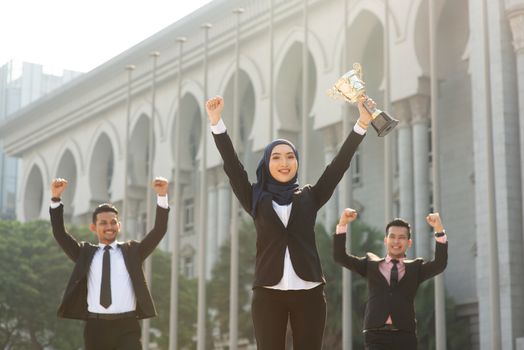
(266,185)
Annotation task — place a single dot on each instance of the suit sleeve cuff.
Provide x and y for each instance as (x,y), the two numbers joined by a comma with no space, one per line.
(359,130)
(442,239)
(219,128)
(162,201)
(342,229)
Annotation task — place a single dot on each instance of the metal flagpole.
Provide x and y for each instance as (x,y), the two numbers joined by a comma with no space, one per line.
(125,203)
(305,94)
(496,337)
(173,309)
(388,210)
(440,293)
(271,68)
(347,196)
(149,202)
(202,308)
(233,288)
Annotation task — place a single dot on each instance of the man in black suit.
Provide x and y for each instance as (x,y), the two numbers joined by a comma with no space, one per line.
(108,288)
(389,320)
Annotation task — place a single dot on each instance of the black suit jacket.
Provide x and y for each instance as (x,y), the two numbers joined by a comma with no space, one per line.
(384,300)
(74,300)
(299,235)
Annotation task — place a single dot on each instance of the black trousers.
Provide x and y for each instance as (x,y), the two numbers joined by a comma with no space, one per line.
(305,309)
(388,340)
(122,334)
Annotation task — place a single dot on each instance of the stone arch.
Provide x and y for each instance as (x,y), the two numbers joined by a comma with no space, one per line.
(367,47)
(247,108)
(450,24)
(101,168)
(67,169)
(251,75)
(72,146)
(139,151)
(144,108)
(317,50)
(191,126)
(116,137)
(288,90)
(32,189)
(377,10)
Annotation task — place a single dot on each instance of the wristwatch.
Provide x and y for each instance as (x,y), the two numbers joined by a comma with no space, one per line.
(56,199)
(440,234)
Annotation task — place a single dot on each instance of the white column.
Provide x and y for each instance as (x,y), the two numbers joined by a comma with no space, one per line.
(516,19)
(419,110)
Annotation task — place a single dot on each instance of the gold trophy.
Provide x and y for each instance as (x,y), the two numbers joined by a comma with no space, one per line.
(352,89)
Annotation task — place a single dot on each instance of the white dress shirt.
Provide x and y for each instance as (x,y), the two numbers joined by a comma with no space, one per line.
(122,292)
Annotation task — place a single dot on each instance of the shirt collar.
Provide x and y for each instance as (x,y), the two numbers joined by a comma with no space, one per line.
(389,258)
(113,245)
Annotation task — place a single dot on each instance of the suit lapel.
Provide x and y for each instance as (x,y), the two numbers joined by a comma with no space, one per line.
(375,261)
(91,250)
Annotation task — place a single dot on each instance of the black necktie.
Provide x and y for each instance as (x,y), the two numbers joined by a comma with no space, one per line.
(394,273)
(105,286)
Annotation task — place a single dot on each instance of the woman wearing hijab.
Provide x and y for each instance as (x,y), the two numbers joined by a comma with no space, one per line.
(289,283)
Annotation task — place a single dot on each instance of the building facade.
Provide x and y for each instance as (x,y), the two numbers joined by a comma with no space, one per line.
(78,131)
(20,84)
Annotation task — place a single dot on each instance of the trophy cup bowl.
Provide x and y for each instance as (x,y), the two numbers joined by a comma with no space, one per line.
(351,88)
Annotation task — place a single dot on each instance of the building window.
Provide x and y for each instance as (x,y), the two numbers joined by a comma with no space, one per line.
(188,267)
(189,214)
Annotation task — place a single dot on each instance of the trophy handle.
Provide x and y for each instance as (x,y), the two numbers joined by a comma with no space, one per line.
(382,122)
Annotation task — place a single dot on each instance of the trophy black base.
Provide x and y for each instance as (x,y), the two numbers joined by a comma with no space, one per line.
(383,124)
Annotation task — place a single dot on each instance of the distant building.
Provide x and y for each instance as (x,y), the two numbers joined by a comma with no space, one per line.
(20,84)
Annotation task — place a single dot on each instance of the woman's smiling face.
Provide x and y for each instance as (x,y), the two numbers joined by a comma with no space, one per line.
(283,163)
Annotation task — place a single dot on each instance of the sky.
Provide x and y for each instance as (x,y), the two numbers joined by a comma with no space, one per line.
(81,35)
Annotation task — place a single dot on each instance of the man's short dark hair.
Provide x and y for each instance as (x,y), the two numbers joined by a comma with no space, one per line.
(400,223)
(102,208)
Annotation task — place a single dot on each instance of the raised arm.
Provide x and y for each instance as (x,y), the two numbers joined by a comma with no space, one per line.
(234,169)
(439,263)
(56,212)
(151,240)
(356,264)
(333,173)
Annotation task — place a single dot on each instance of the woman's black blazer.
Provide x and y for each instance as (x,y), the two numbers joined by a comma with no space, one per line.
(299,235)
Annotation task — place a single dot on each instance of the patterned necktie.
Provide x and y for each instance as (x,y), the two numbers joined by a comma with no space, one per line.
(105,286)
(394,273)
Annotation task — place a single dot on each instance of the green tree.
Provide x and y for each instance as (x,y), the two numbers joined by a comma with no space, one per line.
(33,275)
(187,303)
(218,287)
